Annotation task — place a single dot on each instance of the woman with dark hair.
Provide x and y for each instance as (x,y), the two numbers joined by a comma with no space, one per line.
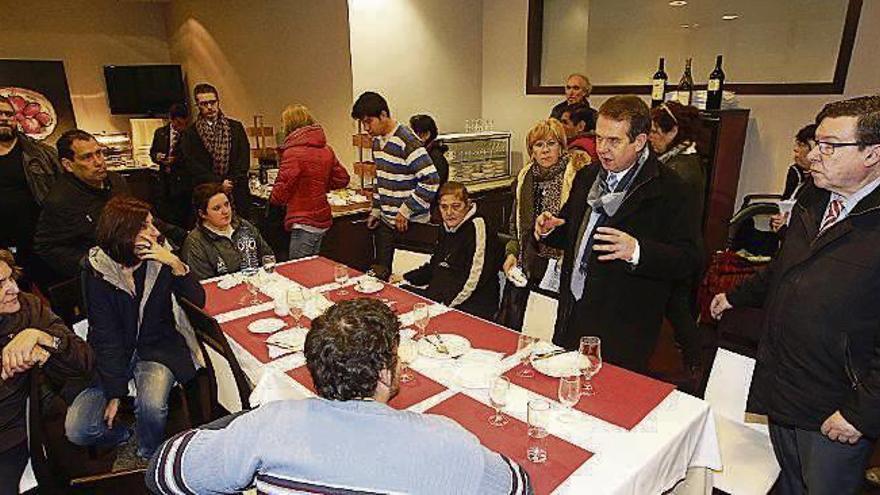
(222,242)
(131,281)
(798,172)
(675,134)
(426,129)
(675,138)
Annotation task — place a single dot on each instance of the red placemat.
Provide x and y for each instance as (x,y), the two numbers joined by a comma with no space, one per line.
(563,458)
(255,343)
(482,334)
(219,301)
(622,397)
(404,300)
(311,273)
(410,393)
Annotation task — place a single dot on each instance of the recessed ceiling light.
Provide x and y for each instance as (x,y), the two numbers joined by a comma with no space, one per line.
(729,17)
(677,3)
(684,26)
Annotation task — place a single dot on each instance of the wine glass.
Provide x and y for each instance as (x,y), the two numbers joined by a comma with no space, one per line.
(407,351)
(538,417)
(422,317)
(340,275)
(569,394)
(295,300)
(269,263)
(253,286)
(498,399)
(590,350)
(523,343)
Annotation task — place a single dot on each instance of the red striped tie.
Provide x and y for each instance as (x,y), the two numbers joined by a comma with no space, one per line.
(835,207)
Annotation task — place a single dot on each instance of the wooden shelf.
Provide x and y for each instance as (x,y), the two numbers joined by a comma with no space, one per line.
(362,141)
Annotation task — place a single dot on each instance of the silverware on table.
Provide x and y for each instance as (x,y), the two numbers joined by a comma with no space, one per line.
(538,357)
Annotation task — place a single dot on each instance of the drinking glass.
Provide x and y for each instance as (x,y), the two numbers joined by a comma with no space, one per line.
(253,286)
(591,361)
(498,399)
(538,418)
(525,342)
(269,263)
(295,302)
(340,275)
(407,351)
(422,314)
(569,394)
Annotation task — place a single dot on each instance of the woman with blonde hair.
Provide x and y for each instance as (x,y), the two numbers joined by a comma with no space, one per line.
(308,171)
(542,185)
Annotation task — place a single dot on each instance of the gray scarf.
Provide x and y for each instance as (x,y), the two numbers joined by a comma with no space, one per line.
(601,199)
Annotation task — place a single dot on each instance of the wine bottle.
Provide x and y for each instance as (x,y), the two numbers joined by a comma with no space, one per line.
(686,85)
(658,85)
(715,88)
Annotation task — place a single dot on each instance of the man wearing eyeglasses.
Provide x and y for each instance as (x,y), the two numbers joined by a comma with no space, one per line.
(216,149)
(28,168)
(628,234)
(817,375)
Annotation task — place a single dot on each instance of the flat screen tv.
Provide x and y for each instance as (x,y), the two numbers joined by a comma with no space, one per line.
(143,89)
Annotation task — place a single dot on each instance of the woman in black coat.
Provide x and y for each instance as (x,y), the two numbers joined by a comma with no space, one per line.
(130,282)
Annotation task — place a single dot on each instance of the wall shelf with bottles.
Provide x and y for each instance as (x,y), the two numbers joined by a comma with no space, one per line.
(477,157)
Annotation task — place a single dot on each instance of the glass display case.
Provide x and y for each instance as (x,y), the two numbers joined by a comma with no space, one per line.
(477,157)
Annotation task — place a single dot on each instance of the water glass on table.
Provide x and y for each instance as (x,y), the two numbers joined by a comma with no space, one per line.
(407,350)
(252,282)
(498,398)
(422,317)
(569,394)
(538,416)
(340,276)
(522,344)
(590,350)
(295,302)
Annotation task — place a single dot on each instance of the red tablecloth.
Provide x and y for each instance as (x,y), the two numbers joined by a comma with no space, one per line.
(254,343)
(313,272)
(410,393)
(404,300)
(622,397)
(482,334)
(563,458)
(219,301)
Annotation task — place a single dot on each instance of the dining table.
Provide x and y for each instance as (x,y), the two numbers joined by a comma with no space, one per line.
(633,435)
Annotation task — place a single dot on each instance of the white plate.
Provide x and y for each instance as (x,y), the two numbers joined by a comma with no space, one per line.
(368,287)
(454,345)
(266,325)
(567,364)
(292,339)
(474,375)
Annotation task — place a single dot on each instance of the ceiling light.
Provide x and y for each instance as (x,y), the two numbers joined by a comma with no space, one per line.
(729,17)
(677,3)
(684,26)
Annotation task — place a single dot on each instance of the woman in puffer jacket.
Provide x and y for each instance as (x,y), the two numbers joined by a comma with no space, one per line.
(309,170)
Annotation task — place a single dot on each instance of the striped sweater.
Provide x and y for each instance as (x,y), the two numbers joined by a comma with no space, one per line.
(406,179)
(335,448)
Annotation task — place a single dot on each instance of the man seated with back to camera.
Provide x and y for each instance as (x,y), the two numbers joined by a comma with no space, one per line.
(346,440)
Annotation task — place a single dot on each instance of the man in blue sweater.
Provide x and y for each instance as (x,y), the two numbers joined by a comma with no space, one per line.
(406,178)
(347,440)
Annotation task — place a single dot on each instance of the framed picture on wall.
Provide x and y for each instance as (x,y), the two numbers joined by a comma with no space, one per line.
(40,96)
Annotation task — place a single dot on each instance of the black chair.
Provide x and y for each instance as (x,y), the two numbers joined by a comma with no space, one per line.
(210,336)
(66,299)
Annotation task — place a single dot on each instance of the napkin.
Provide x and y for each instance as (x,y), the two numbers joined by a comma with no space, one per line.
(273,385)
(316,306)
(229,281)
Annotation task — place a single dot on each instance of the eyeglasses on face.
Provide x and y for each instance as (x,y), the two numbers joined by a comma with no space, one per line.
(826,148)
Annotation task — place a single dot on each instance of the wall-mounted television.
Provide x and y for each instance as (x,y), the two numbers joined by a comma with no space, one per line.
(143,89)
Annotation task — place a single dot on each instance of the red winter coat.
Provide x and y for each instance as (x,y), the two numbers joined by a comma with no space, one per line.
(309,170)
(585,143)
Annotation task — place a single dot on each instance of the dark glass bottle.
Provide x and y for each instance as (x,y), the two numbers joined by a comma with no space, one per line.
(715,89)
(686,85)
(658,85)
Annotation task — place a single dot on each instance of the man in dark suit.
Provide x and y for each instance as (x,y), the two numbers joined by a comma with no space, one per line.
(174,204)
(216,149)
(627,235)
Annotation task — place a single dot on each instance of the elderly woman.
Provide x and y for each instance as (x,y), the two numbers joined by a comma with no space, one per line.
(131,283)
(30,336)
(463,270)
(542,185)
(675,132)
(308,171)
(222,242)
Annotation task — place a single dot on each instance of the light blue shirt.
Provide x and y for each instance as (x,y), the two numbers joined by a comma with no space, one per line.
(849,203)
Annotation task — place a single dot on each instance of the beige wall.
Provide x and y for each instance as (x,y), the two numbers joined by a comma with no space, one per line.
(264,55)
(423,56)
(773,122)
(86,35)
